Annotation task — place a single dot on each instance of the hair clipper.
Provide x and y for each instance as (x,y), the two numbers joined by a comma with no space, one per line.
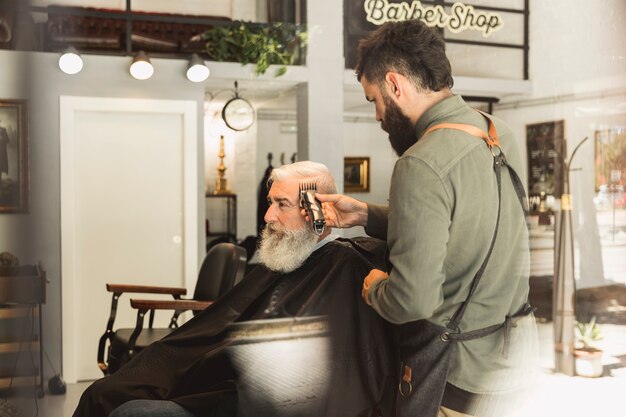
(312,205)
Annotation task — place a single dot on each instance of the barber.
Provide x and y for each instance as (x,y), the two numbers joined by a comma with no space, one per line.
(439,226)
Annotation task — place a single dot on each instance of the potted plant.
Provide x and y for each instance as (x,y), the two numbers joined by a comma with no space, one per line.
(588,356)
(261,44)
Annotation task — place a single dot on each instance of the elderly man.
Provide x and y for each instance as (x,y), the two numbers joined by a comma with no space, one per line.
(303,276)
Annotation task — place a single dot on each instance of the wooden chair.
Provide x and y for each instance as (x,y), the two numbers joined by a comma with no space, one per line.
(222,268)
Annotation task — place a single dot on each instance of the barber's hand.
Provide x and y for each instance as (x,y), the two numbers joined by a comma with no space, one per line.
(342,211)
(374,276)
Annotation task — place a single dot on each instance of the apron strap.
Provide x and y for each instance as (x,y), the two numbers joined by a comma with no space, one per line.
(506,325)
(492,141)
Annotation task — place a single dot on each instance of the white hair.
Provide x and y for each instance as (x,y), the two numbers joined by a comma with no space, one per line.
(306,171)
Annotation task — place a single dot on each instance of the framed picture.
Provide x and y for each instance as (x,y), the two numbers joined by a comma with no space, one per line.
(545,149)
(14,181)
(356,174)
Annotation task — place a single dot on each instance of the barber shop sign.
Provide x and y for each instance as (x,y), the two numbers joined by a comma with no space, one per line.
(460,17)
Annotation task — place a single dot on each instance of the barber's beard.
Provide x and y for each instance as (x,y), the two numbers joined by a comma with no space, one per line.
(399,127)
(284,250)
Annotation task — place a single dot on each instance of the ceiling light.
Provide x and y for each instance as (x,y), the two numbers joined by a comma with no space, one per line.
(70,61)
(197,70)
(141,68)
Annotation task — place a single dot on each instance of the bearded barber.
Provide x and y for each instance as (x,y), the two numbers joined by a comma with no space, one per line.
(440,222)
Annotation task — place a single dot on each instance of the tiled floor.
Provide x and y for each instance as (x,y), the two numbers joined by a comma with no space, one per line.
(554,395)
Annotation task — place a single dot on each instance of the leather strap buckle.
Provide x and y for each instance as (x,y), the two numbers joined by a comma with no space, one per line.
(496,151)
(405,382)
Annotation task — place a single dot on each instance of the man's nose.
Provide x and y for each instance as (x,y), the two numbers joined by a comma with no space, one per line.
(270,214)
(378,117)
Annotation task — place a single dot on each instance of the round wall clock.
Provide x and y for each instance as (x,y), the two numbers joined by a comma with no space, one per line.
(238,113)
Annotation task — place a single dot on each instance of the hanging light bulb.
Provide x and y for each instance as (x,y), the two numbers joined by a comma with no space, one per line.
(70,61)
(197,70)
(141,68)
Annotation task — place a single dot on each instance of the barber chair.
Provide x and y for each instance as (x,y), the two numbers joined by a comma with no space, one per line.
(223,267)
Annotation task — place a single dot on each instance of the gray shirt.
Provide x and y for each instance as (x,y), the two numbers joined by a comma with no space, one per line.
(439,224)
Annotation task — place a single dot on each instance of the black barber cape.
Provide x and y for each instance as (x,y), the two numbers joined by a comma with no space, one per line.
(203,365)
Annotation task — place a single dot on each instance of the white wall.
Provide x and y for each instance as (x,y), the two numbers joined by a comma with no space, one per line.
(276,137)
(577,46)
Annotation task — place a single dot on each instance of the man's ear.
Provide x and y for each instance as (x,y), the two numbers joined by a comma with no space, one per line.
(393,83)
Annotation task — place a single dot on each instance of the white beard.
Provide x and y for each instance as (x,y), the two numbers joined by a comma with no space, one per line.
(283,250)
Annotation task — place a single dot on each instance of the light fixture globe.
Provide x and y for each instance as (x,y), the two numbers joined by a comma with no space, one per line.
(141,68)
(70,61)
(197,70)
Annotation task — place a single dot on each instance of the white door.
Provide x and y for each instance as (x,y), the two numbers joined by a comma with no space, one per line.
(128,212)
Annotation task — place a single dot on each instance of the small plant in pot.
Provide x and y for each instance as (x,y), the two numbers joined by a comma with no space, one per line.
(588,356)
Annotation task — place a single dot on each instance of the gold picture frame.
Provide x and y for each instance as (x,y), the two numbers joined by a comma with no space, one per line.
(14,157)
(356,174)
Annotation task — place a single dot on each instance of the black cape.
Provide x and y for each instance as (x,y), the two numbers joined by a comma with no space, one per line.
(342,365)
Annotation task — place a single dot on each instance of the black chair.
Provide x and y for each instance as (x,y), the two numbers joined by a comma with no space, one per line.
(222,268)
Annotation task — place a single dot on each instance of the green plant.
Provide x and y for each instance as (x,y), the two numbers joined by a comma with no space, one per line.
(263,45)
(588,333)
